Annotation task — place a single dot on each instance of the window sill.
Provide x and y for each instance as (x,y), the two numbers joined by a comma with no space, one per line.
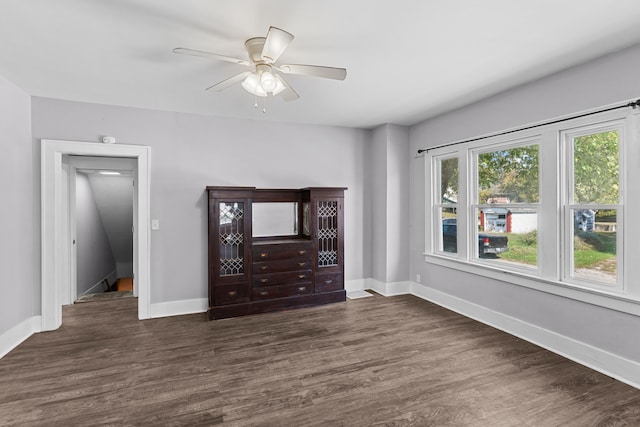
(614,301)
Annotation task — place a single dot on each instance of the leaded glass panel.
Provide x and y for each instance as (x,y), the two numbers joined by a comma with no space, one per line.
(327,233)
(231,238)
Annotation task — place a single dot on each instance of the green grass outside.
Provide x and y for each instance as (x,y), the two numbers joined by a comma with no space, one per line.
(522,249)
(595,249)
(590,250)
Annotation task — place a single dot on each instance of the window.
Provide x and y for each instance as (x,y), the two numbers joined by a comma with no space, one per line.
(546,204)
(506,205)
(446,206)
(592,206)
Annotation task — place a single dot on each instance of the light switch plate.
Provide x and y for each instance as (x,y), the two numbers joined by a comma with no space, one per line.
(155,224)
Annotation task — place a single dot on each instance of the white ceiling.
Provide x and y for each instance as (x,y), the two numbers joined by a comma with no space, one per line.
(407,60)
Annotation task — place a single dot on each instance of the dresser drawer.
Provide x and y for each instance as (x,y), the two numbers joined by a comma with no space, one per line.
(329,282)
(281,251)
(287,278)
(231,294)
(282,265)
(282,291)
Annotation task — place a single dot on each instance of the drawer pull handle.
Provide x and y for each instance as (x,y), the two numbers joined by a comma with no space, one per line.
(264,293)
(302,252)
(328,282)
(302,264)
(302,288)
(264,267)
(301,276)
(233,294)
(264,280)
(263,255)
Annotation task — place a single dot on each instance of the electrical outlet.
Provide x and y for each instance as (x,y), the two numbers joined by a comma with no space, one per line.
(418,278)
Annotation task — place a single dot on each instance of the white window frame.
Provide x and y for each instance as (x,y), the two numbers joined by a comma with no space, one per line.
(438,205)
(475,204)
(550,276)
(568,204)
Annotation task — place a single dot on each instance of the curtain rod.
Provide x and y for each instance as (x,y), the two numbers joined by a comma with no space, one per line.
(632,104)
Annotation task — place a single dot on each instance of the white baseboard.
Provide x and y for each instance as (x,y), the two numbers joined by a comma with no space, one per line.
(388,289)
(612,365)
(16,335)
(355,285)
(178,308)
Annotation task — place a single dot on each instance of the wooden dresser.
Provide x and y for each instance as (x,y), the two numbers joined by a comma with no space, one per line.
(290,254)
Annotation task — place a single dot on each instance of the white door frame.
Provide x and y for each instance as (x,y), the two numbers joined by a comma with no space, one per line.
(56,236)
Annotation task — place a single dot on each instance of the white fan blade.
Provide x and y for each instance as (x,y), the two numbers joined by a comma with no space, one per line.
(185,51)
(314,70)
(288,94)
(276,42)
(229,82)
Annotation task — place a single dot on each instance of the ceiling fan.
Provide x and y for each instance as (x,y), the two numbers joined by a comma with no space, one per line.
(262,80)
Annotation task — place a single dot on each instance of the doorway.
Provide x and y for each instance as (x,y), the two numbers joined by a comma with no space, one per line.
(101,196)
(57,241)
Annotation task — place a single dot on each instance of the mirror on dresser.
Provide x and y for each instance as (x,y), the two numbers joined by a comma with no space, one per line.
(274,219)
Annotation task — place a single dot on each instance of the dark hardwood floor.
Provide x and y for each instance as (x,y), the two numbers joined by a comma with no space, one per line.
(368,362)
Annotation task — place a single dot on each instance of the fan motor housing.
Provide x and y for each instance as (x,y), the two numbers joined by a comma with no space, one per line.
(254,48)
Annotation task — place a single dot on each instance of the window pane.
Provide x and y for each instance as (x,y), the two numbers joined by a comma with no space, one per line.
(595,168)
(449,180)
(449,237)
(508,176)
(509,235)
(595,245)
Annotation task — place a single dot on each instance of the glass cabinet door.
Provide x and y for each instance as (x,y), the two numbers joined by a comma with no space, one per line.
(232,243)
(232,234)
(327,233)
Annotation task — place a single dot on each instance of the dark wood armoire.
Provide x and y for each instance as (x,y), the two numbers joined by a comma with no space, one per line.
(274,249)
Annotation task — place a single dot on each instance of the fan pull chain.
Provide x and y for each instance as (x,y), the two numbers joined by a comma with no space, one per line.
(264,103)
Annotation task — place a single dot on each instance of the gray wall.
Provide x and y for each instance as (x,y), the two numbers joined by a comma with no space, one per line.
(378,196)
(397,204)
(95,260)
(114,199)
(608,80)
(19,251)
(189,152)
(389,203)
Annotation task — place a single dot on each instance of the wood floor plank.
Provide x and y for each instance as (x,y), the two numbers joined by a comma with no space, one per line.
(396,361)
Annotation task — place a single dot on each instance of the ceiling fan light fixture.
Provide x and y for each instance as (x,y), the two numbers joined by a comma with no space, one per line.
(268,81)
(280,86)
(252,85)
(264,53)
(256,84)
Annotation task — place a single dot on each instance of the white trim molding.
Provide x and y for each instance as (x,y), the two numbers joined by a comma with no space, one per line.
(56,242)
(355,285)
(389,289)
(18,334)
(179,308)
